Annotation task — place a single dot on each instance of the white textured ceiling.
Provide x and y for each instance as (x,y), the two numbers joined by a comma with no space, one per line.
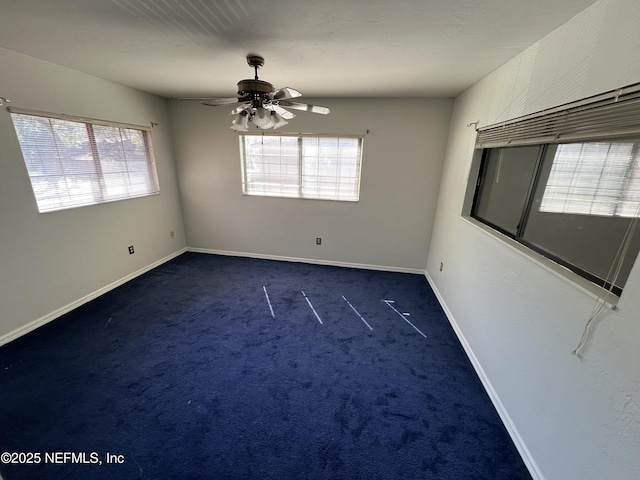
(182,48)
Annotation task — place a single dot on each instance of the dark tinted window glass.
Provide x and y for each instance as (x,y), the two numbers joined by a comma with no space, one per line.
(507,174)
(580,211)
(577,206)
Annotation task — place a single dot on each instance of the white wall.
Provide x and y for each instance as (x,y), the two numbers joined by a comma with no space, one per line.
(389,227)
(51,261)
(578,418)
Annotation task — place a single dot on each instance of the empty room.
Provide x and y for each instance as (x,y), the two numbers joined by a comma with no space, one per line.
(319,240)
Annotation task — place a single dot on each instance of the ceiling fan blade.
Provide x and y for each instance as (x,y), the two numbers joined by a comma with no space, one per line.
(214,102)
(284,93)
(286,114)
(304,107)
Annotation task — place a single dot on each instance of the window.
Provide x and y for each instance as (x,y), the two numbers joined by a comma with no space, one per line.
(573,203)
(565,182)
(74,162)
(326,168)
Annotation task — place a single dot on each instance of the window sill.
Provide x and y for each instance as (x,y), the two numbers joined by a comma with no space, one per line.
(559,271)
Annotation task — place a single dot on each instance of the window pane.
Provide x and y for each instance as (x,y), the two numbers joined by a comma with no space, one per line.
(326,161)
(582,206)
(593,179)
(270,165)
(507,176)
(59,160)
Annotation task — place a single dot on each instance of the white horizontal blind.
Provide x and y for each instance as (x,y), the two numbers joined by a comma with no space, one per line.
(271,165)
(597,178)
(613,114)
(331,168)
(73,163)
(302,166)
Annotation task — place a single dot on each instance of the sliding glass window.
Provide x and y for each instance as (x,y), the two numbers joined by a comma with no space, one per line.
(74,162)
(576,203)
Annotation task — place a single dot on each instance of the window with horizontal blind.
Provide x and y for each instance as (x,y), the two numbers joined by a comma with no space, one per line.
(301,166)
(74,162)
(566,183)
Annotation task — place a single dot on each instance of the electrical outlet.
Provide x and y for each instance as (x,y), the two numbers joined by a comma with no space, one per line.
(441,265)
(131,251)
(318,241)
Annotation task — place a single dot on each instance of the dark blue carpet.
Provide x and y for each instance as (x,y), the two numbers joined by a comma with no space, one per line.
(185,373)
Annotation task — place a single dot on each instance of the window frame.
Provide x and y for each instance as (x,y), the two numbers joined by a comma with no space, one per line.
(301,195)
(518,237)
(90,124)
(606,117)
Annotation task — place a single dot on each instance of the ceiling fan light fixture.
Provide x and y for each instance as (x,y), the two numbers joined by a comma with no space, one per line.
(278,121)
(262,118)
(241,122)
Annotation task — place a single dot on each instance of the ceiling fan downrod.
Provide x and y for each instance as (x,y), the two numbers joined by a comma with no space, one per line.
(256,62)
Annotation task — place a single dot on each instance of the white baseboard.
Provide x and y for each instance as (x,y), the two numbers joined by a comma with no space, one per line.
(383,268)
(8,337)
(493,395)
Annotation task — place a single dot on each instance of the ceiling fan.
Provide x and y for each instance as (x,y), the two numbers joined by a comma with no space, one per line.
(260,103)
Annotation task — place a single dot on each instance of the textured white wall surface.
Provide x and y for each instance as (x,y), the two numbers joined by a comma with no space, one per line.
(50,261)
(576,418)
(389,227)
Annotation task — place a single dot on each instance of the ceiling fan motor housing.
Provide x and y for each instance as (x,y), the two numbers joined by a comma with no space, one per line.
(254,90)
